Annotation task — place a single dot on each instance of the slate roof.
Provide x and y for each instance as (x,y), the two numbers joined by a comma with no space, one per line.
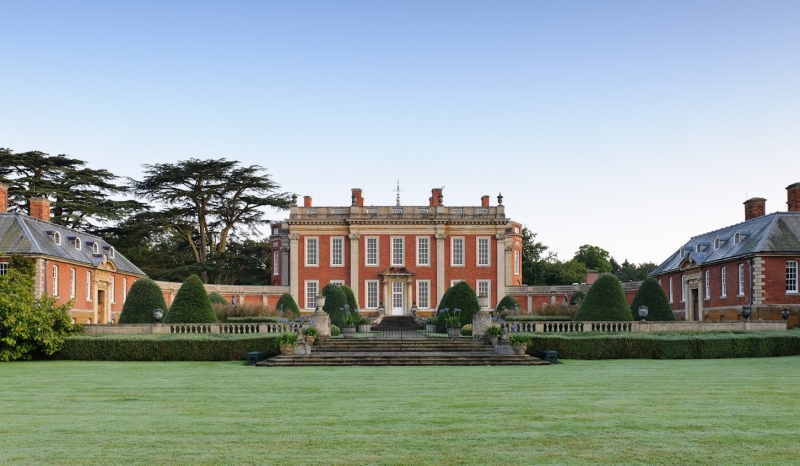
(776,233)
(25,235)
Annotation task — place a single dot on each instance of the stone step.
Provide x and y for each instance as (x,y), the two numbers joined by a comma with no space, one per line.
(402,345)
(402,359)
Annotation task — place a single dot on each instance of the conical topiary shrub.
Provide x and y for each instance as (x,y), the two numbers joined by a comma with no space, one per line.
(143,297)
(459,296)
(604,301)
(651,294)
(217,298)
(191,304)
(508,303)
(287,304)
(351,297)
(335,299)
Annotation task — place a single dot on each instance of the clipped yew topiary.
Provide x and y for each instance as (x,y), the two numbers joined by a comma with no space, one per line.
(604,301)
(143,297)
(459,296)
(288,305)
(351,297)
(651,294)
(335,299)
(191,304)
(576,298)
(216,298)
(508,303)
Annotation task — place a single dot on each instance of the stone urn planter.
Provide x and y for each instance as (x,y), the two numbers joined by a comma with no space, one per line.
(364,328)
(493,340)
(287,350)
(520,349)
(310,339)
(348,332)
(430,328)
(453,332)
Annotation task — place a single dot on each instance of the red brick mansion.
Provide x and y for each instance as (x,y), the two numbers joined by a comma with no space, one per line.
(396,256)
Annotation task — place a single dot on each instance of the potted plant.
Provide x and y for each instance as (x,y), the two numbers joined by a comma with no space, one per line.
(287,341)
(430,325)
(519,342)
(494,333)
(350,321)
(453,321)
(364,324)
(311,335)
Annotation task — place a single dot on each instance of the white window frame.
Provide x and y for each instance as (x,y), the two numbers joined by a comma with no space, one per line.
(307,287)
(337,247)
(367,259)
(516,262)
(124,289)
(3,268)
(113,289)
(741,280)
(95,248)
(478,259)
(57,238)
(77,243)
(457,256)
(737,238)
(55,280)
(312,260)
(426,294)
(708,284)
(723,278)
(112,252)
(88,285)
(683,288)
(72,283)
(370,287)
(395,241)
(276,262)
(456,282)
(716,244)
(671,295)
(791,277)
(423,251)
(337,282)
(488,285)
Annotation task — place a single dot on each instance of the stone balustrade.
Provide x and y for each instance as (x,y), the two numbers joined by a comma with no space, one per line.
(646,327)
(222,328)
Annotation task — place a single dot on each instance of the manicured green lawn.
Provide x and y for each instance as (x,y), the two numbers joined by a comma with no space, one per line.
(714,412)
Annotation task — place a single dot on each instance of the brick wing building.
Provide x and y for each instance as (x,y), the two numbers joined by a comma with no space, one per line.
(753,263)
(396,256)
(69,264)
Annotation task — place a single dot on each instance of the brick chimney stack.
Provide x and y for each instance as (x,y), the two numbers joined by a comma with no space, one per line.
(306,201)
(436,198)
(754,207)
(39,207)
(793,197)
(484,201)
(3,198)
(358,201)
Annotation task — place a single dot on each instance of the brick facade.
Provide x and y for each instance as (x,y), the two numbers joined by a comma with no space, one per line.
(453,238)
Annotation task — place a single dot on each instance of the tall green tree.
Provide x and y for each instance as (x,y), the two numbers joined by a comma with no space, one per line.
(207,201)
(628,271)
(534,263)
(594,258)
(83,197)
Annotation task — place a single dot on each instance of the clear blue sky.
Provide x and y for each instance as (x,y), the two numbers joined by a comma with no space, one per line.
(630,125)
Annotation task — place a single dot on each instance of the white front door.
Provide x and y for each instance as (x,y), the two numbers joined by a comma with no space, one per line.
(397,298)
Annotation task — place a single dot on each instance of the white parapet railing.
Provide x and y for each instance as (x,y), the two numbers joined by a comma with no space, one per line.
(221,328)
(645,327)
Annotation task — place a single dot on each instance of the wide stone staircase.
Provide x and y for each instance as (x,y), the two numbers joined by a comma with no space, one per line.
(402,352)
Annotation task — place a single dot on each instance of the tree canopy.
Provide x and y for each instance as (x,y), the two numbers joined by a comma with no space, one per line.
(594,258)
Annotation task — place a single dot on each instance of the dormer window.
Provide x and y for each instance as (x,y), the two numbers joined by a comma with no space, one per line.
(111,252)
(698,248)
(56,236)
(75,242)
(95,248)
(737,238)
(716,244)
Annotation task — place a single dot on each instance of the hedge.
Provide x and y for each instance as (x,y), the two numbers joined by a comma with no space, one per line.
(216,347)
(682,345)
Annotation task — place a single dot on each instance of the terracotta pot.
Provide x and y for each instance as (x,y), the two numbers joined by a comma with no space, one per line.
(287,350)
(310,339)
(493,341)
(520,349)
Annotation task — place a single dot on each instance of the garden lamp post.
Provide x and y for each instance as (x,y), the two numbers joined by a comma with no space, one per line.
(158,314)
(746,313)
(643,312)
(785,314)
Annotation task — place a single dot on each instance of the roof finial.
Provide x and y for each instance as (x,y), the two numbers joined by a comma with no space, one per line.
(398,191)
